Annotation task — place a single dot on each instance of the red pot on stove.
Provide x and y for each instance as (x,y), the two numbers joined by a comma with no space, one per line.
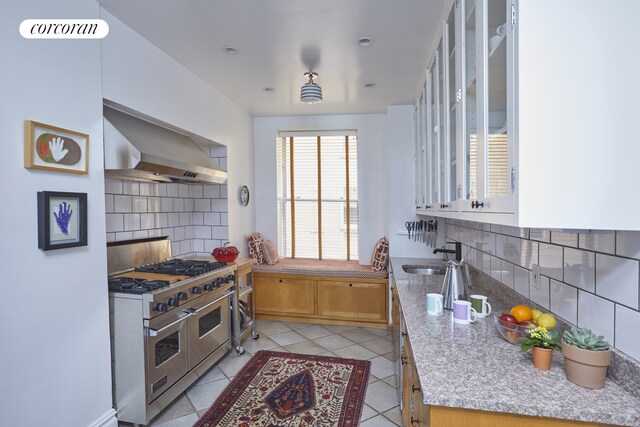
(226,253)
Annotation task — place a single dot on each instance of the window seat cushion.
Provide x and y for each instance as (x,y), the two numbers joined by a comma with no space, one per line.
(314,267)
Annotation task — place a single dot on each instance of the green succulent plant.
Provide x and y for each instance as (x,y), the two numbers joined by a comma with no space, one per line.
(586,339)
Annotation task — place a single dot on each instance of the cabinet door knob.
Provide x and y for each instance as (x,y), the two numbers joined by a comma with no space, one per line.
(444,205)
(414,421)
(280,280)
(350,284)
(477,204)
(414,389)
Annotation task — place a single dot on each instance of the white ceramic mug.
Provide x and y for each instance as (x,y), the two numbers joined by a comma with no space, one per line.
(463,312)
(434,304)
(480,304)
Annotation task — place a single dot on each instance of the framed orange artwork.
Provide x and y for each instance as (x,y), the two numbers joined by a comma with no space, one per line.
(56,149)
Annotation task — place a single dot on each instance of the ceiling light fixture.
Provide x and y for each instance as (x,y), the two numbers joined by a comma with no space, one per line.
(268,89)
(365,41)
(230,50)
(310,92)
(370,85)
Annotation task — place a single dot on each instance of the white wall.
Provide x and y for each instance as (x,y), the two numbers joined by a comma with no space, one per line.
(140,76)
(372,167)
(54,315)
(400,152)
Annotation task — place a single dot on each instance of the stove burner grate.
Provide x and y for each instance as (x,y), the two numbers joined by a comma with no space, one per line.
(181,267)
(135,286)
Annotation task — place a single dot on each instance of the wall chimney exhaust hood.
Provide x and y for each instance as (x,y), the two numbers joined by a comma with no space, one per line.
(135,148)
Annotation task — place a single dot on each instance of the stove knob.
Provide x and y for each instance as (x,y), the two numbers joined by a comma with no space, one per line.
(196,290)
(208,287)
(219,281)
(173,302)
(231,278)
(182,296)
(160,307)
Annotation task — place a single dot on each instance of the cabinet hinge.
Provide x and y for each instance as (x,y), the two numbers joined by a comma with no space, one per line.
(458,95)
(513,13)
(457,3)
(513,179)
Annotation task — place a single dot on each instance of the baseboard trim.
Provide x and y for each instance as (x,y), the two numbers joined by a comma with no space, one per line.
(108,419)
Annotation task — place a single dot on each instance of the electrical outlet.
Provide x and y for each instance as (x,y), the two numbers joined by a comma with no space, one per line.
(536,280)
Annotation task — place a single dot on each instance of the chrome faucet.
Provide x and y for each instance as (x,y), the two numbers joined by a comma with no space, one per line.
(457,251)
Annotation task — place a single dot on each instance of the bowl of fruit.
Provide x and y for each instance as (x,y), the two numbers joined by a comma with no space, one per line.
(513,324)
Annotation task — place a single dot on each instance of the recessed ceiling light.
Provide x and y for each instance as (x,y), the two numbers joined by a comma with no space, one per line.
(230,50)
(268,89)
(365,41)
(370,85)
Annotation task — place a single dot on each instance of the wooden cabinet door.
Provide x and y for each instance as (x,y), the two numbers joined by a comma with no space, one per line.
(283,296)
(352,300)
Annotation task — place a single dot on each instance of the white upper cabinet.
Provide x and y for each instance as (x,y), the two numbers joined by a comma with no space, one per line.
(530,111)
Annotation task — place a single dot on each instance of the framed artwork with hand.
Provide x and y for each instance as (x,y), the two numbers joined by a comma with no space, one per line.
(62,220)
(56,149)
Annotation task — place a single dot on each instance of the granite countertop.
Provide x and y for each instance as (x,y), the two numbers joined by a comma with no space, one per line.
(473,367)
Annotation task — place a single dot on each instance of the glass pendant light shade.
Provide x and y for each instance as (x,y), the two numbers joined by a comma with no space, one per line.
(311,93)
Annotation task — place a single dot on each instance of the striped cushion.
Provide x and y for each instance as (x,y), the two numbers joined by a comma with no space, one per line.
(255,247)
(270,252)
(314,267)
(380,255)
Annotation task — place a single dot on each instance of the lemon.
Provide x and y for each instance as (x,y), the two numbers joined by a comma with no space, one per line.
(547,320)
(536,314)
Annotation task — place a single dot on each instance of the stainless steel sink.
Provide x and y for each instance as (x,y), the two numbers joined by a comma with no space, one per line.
(425,270)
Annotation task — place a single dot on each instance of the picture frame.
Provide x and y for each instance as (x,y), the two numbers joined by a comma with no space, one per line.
(56,149)
(62,220)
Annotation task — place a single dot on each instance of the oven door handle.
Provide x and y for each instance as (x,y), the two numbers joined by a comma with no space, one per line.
(211,303)
(153,332)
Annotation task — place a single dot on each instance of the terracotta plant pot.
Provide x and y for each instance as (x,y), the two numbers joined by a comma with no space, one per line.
(542,357)
(585,368)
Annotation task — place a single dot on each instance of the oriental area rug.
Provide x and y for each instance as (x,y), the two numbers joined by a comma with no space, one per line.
(277,389)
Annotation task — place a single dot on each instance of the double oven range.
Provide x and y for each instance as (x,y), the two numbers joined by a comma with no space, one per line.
(170,322)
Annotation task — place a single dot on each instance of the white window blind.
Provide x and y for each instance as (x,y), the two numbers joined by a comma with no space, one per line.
(318,195)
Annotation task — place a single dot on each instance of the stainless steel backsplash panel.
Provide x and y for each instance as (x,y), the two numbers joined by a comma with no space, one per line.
(123,256)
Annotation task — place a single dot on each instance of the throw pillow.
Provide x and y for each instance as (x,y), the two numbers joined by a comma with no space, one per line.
(380,256)
(255,247)
(270,252)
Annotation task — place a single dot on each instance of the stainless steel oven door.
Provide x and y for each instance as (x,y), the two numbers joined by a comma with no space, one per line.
(209,326)
(167,353)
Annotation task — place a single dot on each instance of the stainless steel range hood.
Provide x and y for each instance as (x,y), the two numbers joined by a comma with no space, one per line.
(135,148)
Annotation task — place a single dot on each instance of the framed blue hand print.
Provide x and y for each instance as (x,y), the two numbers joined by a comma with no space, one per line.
(62,220)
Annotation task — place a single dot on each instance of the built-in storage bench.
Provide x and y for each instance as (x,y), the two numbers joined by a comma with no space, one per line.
(327,292)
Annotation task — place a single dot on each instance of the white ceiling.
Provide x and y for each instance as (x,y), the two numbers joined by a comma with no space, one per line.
(279,40)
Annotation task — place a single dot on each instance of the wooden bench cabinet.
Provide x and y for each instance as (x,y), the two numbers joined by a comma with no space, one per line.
(322,299)
(351,300)
(284,295)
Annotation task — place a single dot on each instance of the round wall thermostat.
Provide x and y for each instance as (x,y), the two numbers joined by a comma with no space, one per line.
(244,195)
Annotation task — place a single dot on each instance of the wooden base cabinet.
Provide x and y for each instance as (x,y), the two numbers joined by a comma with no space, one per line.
(289,296)
(321,299)
(352,300)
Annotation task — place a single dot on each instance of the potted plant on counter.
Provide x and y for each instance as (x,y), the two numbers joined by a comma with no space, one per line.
(586,357)
(542,342)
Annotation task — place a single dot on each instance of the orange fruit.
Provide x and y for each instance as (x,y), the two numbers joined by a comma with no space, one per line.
(522,313)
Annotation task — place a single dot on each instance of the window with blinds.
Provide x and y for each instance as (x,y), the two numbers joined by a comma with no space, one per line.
(318,196)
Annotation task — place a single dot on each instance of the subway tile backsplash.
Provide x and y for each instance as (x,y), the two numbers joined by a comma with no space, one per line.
(588,278)
(193,216)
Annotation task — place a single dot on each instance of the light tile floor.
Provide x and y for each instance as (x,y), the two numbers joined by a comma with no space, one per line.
(381,402)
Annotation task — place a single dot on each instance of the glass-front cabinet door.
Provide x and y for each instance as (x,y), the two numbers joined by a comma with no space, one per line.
(494,170)
(433,163)
(469,107)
